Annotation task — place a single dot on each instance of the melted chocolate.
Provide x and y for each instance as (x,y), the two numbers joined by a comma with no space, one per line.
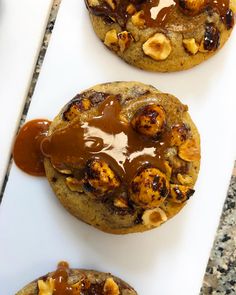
(105,137)
(156,12)
(27,153)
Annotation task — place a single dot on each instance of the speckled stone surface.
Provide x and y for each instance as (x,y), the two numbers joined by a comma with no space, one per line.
(220,276)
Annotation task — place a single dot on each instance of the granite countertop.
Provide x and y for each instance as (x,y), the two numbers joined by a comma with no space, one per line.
(220,276)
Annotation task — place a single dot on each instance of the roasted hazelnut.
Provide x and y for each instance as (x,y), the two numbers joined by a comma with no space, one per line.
(149,188)
(189,151)
(179,134)
(131,9)
(191,46)
(93,3)
(75,108)
(100,178)
(111,40)
(232,5)
(192,7)
(111,3)
(74,184)
(46,287)
(168,169)
(111,287)
(158,47)
(120,202)
(180,193)
(138,19)
(149,120)
(124,40)
(154,217)
(185,179)
(81,285)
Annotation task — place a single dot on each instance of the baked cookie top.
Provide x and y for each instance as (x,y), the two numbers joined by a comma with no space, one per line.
(162,35)
(68,281)
(127,151)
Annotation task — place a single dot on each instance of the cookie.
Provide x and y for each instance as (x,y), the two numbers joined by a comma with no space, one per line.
(77,282)
(123,157)
(163,35)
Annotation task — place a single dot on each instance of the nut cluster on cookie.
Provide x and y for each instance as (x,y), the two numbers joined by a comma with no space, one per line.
(136,155)
(161,30)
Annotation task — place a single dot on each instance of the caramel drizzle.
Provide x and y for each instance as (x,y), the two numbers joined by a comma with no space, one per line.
(61,276)
(156,12)
(105,137)
(63,287)
(26,152)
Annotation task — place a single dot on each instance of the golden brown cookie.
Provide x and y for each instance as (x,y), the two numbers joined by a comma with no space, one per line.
(77,282)
(123,157)
(163,35)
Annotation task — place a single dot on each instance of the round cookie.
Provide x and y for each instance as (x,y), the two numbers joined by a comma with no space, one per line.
(163,35)
(76,282)
(124,157)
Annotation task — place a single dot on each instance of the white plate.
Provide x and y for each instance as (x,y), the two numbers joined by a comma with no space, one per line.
(36,232)
(22,26)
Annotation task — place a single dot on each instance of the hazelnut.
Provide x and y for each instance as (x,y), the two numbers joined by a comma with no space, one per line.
(111,40)
(180,193)
(46,287)
(138,19)
(154,217)
(111,3)
(100,178)
(124,40)
(179,134)
(158,47)
(191,46)
(131,9)
(63,171)
(79,287)
(168,169)
(93,3)
(189,151)
(149,188)
(192,7)
(74,184)
(232,5)
(75,108)
(149,120)
(185,179)
(120,203)
(110,287)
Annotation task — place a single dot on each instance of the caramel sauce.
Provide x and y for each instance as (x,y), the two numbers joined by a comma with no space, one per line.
(27,152)
(61,276)
(105,137)
(222,6)
(156,12)
(62,286)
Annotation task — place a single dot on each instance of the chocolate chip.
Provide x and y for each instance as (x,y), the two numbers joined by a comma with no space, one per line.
(211,37)
(229,19)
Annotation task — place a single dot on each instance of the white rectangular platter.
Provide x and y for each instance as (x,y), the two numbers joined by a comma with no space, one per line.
(22,26)
(36,232)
